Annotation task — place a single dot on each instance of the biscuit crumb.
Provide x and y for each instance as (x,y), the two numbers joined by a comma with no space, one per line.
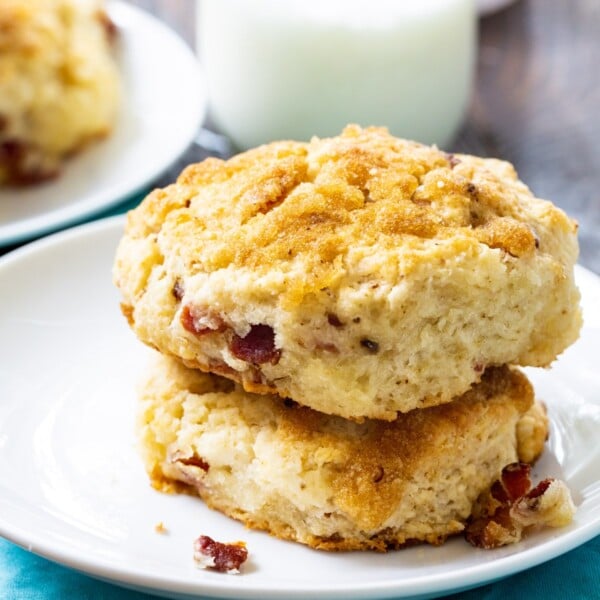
(160,528)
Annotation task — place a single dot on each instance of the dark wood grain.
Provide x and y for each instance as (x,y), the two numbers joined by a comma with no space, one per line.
(537,103)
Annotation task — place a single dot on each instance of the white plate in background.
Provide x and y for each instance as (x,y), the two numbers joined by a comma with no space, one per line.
(73,489)
(487,7)
(164,103)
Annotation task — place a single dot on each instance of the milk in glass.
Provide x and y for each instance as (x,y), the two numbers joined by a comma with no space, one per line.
(291,69)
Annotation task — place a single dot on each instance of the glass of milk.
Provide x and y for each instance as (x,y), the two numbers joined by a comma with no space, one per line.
(291,69)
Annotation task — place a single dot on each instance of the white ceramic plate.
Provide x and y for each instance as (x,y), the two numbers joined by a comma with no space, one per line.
(487,7)
(72,487)
(164,102)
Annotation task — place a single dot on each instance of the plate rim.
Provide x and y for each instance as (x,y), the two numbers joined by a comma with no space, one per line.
(440,583)
(33,226)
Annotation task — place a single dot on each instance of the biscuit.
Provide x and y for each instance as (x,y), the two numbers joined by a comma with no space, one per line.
(326,481)
(361,275)
(59,86)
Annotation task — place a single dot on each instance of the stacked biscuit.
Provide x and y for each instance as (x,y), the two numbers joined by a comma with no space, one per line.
(335,320)
(59,84)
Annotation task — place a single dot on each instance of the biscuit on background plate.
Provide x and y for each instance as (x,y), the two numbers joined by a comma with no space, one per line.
(59,84)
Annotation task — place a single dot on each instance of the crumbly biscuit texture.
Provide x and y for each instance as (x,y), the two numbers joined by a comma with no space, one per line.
(361,275)
(59,86)
(323,480)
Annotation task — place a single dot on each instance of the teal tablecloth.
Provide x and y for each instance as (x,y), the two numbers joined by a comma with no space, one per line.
(24,576)
(575,575)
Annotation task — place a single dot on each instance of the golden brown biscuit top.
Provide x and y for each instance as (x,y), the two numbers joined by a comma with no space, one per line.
(26,26)
(304,207)
(22,26)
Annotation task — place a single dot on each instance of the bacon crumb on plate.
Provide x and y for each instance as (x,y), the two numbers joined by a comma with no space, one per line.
(511,506)
(224,558)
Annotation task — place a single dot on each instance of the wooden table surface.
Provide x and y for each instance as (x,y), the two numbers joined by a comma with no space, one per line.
(536,102)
